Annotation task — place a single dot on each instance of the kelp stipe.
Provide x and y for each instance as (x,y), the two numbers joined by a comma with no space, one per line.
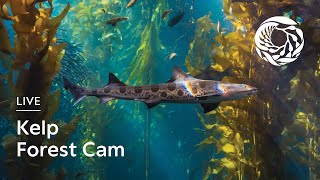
(6,62)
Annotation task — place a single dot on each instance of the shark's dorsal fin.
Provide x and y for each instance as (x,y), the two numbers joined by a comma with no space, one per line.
(178,74)
(114,80)
(152,102)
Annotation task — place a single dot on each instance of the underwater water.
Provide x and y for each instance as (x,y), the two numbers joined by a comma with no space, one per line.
(271,135)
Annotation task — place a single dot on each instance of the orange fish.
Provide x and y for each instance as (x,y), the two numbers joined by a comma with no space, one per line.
(131,3)
(172,55)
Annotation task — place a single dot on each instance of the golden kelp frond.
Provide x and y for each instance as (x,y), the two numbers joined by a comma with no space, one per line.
(208,141)
(5,45)
(5,62)
(230,147)
(5,48)
(34,44)
(53,105)
(227,163)
(303,152)
(38,26)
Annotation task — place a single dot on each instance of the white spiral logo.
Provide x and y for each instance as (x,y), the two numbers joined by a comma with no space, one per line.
(279,55)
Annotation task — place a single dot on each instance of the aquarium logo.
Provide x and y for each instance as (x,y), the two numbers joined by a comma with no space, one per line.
(279,41)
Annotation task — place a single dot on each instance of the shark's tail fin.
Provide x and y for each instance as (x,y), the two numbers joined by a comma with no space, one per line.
(76,91)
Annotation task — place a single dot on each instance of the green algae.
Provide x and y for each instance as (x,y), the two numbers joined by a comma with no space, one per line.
(142,66)
(200,47)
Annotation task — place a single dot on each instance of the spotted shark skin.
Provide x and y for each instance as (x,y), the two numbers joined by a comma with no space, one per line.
(159,92)
(181,88)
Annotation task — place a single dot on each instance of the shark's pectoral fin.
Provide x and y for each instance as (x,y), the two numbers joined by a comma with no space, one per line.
(78,98)
(209,107)
(151,103)
(105,99)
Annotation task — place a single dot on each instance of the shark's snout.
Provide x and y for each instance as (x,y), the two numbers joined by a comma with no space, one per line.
(248,90)
(252,89)
(237,90)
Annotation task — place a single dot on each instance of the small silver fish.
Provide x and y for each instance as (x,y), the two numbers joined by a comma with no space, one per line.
(172,55)
(4,102)
(34,164)
(219,27)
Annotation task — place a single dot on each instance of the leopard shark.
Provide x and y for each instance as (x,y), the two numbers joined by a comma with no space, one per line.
(181,88)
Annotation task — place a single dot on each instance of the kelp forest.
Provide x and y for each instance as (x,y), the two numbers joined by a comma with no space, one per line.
(271,135)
